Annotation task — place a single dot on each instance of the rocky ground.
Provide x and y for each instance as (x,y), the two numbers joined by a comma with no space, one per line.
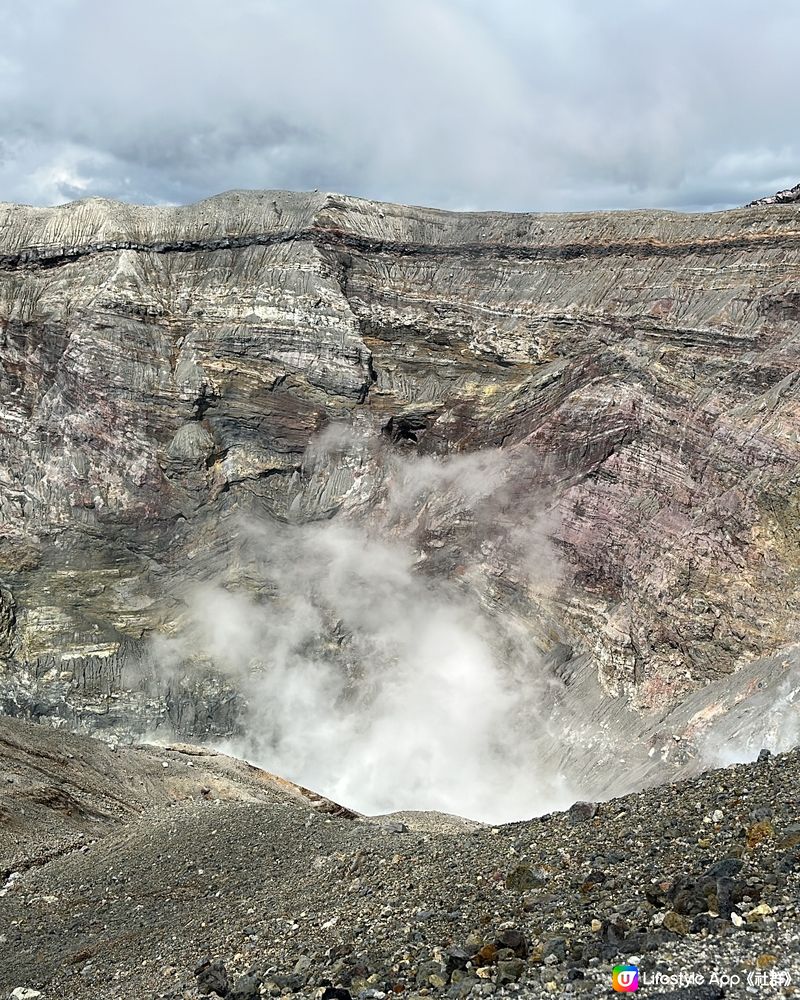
(155,872)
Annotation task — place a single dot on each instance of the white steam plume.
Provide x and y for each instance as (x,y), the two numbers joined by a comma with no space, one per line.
(376,676)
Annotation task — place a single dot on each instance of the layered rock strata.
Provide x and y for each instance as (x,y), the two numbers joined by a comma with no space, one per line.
(164,371)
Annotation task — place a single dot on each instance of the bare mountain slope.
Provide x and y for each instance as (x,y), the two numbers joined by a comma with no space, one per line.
(248,891)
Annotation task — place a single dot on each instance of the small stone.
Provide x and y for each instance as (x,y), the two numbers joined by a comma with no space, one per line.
(580,812)
(212,977)
(336,993)
(24,993)
(717,816)
(555,947)
(246,988)
(510,970)
(759,832)
(522,878)
(765,961)
(456,958)
(302,965)
(513,939)
(737,919)
(486,955)
(426,970)
(597,925)
(675,922)
(724,868)
(764,755)
(758,913)
(792,838)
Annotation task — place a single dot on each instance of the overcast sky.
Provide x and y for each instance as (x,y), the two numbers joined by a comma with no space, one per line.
(467,104)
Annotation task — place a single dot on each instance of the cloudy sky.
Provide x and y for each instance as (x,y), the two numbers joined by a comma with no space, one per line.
(507,104)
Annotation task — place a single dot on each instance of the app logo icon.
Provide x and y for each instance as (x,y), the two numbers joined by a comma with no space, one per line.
(625,978)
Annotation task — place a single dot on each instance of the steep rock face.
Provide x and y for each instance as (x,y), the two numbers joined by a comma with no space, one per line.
(163,370)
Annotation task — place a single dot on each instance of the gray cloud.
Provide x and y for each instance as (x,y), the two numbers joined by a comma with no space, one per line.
(517,104)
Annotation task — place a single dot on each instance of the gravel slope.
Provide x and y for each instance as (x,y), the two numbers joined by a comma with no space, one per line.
(305,901)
